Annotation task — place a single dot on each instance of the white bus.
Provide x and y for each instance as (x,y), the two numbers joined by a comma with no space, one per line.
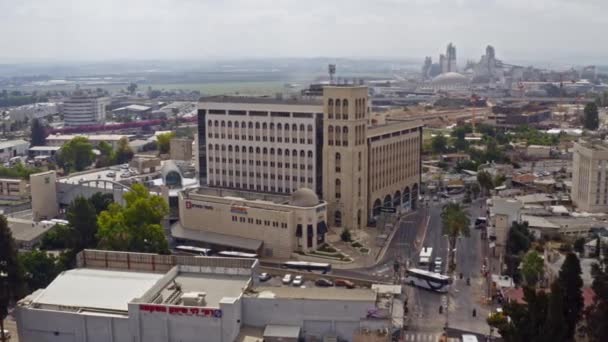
(233,254)
(425,256)
(193,250)
(428,280)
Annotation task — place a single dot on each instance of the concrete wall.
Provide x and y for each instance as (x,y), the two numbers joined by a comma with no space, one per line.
(317,317)
(181,149)
(35,325)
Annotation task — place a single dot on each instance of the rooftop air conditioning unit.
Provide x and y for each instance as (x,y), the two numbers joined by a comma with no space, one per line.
(194,298)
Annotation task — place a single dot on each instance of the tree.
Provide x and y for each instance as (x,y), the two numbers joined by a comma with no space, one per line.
(591,118)
(519,238)
(455,223)
(459,135)
(475,189)
(136,226)
(532,268)
(526,321)
(11,279)
(82,218)
(101,201)
(39,268)
(76,154)
(131,88)
(579,245)
(124,153)
(38,137)
(164,141)
(345,235)
(556,325)
(595,316)
(570,283)
(485,181)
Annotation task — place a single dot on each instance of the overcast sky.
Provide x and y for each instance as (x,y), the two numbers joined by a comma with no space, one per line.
(193,29)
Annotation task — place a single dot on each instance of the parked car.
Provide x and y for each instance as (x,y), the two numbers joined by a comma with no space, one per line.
(125,175)
(345,283)
(298,281)
(322,282)
(264,276)
(111,174)
(287,279)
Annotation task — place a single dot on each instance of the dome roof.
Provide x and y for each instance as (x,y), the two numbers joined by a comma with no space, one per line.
(450,77)
(304,197)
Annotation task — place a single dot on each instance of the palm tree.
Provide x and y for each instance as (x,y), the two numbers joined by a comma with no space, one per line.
(485,181)
(455,222)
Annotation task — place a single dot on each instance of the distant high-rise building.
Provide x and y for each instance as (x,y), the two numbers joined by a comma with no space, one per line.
(84,108)
(590,176)
(448,61)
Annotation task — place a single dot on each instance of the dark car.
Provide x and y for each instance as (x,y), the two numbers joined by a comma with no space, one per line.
(322,282)
(346,283)
(265,277)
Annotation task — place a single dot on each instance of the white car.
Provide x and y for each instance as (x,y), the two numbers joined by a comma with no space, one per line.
(111,174)
(298,281)
(287,279)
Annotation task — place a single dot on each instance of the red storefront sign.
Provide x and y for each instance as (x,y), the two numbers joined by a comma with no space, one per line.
(181,310)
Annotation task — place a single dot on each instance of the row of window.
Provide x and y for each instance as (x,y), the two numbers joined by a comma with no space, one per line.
(252,174)
(264,138)
(338,109)
(250,125)
(394,162)
(338,162)
(259,150)
(338,188)
(256,187)
(259,222)
(261,163)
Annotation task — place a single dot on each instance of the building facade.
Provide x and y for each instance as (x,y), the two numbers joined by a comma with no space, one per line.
(44,195)
(270,145)
(180,149)
(13,148)
(13,188)
(269,225)
(84,109)
(590,176)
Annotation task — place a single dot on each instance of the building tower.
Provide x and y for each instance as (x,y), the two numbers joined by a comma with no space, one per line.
(345,165)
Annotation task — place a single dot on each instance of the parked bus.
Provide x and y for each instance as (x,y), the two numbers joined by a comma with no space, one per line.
(425,256)
(307,266)
(193,250)
(428,280)
(233,254)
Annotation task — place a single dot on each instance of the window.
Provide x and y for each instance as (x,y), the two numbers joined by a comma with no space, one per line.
(345,109)
(338,188)
(359,187)
(345,135)
(330,135)
(330,108)
(359,161)
(338,162)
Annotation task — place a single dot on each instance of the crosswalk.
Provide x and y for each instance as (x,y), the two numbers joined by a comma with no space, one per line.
(426,337)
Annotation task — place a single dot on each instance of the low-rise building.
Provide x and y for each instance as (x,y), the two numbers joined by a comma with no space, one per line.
(269,224)
(136,297)
(538,151)
(95,139)
(13,188)
(13,148)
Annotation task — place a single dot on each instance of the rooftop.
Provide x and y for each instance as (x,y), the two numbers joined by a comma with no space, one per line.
(96,289)
(12,143)
(112,137)
(261,100)
(25,230)
(302,197)
(314,293)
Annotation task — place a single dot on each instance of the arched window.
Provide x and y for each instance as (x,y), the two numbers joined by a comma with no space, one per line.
(359,187)
(294,127)
(302,154)
(330,135)
(338,162)
(216,123)
(257,125)
(272,151)
(229,124)
(210,123)
(265,151)
(338,188)
(338,109)
(286,152)
(330,109)
(236,124)
(302,127)
(223,123)
(338,218)
(251,149)
(294,153)
(345,136)
(309,128)
(309,154)
(237,149)
(286,127)
(223,147)
(217,147)
(264,126)
(229,148)
(272,125)
(257,150)
(345,109)
(279,151)
(250,125)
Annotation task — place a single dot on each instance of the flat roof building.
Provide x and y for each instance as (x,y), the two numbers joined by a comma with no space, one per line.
(83,109)
(138,297)
(13,148)
(95,139)
(590,176)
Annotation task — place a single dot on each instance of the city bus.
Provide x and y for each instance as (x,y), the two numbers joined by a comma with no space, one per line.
(425,256)
(193,250)
(307,266)
(427,280)
(233,254)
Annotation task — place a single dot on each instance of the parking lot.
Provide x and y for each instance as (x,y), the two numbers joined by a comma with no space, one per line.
(309,280)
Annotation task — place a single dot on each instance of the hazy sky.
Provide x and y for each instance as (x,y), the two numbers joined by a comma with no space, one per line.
(191,29)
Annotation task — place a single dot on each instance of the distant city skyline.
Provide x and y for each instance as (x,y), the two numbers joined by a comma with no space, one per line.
(554,31)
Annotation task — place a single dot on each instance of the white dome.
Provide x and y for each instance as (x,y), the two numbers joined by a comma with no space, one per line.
(450,78)
(304,197)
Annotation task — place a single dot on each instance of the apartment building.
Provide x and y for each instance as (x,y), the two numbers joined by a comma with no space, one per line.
(590,176)
(84,108)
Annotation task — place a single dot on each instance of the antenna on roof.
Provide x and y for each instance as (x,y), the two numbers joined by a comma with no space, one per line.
(332,72)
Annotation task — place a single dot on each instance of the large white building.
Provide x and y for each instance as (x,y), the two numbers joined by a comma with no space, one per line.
(13,148)
(133,297)
(84,109)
